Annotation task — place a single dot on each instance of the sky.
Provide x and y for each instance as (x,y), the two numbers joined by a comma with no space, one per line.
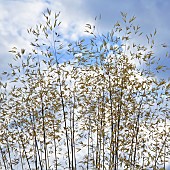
(18,15)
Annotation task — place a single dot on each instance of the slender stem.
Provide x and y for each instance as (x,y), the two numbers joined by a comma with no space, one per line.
(9,153)
(44,132)
(20,153)
(65,125)
(97,138)
(136,137)
(55,147)
(88,143)
(3,158)
(36,149)
(112,148)
(63,105)
(25,154)
(73,125)
(72,149)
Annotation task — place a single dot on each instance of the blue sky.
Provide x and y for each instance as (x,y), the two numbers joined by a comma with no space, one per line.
(18,15)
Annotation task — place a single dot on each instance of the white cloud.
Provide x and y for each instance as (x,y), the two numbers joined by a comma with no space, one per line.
(16,17)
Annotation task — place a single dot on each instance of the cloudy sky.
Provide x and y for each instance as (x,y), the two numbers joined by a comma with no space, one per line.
(18,15)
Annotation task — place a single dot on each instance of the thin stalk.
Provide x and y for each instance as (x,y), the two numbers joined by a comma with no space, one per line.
(112,148)
(22,143)
(156,160)
(26,154)
(35,156)
(118,126)
(165,143)
(63,105)
(9,154)
(97,138)
(3,158)
(131,148)
(55,147)
(136,137)
(44,132)
(88,143)
(21,156)
(72,149)
(92,148)
(136,141)
(73,161)
(103,133)
(36,149)
(100,142)
(65,125)
(100,136)
(117,139)
(73,125)
(143,160)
